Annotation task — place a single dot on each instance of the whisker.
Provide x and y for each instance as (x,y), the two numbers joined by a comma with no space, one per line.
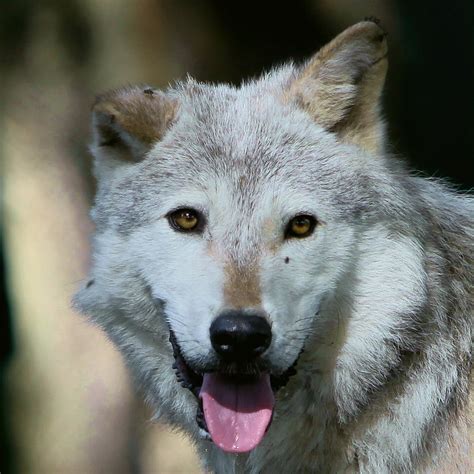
(304,319)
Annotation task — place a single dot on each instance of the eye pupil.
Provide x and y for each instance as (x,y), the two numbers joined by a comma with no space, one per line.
(301,222)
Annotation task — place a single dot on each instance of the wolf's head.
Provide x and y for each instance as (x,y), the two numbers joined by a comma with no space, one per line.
(231,221)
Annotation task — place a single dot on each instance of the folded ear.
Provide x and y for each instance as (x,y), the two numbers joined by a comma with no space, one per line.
(127,122)
(340,87)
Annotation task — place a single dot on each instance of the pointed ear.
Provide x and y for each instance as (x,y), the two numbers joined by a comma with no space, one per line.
(127,122)
(340,87)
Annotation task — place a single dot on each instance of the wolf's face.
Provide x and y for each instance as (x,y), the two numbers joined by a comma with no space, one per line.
(229,219)
(233,224)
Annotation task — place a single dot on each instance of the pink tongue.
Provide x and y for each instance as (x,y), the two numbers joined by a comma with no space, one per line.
(237,415)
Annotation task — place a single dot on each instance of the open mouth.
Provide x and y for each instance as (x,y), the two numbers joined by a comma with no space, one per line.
(235,408)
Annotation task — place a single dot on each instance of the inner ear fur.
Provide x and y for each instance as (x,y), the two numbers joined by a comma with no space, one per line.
(341,85)
(126,122)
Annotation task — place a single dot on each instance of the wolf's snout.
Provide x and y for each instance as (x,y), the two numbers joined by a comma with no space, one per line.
(239,336)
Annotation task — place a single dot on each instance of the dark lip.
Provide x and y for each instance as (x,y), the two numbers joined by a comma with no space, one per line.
(185,375)
(192,380)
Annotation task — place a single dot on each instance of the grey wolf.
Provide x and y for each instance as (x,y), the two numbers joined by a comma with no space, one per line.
(284,290)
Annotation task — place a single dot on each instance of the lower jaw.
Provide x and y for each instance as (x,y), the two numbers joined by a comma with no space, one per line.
(193,382)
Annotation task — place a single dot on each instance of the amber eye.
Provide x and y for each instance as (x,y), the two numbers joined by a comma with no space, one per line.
(185,220)
(300,226)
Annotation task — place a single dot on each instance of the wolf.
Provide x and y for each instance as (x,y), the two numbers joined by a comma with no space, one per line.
(282,288)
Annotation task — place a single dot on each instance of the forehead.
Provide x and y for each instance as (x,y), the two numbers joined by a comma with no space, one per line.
(245,138)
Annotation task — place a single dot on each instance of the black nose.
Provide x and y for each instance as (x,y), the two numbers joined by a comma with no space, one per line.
(239,337)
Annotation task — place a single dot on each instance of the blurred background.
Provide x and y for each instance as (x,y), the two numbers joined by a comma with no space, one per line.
(65,400)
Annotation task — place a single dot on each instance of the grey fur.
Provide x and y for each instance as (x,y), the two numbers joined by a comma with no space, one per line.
(383,383)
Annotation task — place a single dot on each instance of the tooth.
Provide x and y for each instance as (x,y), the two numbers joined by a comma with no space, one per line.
(204,434)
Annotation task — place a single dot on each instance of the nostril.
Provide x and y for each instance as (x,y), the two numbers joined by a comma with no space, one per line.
(238,336)
(259,342)
(222,340)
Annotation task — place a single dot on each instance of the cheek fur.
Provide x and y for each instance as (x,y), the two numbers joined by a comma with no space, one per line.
(179,268)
